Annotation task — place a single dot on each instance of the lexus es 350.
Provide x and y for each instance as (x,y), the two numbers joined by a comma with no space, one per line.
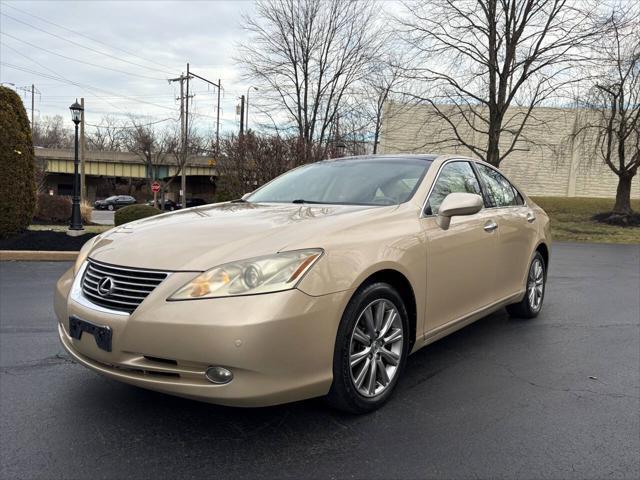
(319,283)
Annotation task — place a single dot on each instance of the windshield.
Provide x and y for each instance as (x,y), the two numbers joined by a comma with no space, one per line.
(356,181)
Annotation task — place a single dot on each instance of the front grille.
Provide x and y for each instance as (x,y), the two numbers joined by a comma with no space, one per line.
(118,288)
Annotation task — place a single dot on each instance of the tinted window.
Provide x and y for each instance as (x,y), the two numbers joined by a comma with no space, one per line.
(499,192)
(359,181)
(455,177)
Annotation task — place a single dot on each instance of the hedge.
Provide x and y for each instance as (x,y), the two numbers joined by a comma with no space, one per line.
(134,212)
(17,183)
(53,209)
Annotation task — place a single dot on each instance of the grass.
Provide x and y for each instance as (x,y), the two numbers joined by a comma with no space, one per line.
(64,228)
(571,220)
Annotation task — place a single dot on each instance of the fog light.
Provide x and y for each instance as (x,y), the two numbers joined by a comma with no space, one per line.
(218,375)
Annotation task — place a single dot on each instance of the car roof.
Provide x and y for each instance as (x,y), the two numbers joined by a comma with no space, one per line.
(427,157)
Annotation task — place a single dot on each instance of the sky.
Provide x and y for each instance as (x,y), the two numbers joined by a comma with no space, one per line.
(119,55)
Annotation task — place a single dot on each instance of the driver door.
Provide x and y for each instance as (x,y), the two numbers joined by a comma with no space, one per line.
(461,261)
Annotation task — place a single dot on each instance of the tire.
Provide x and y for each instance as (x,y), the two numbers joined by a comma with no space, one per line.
(531,304)
(345,394)
(110,208)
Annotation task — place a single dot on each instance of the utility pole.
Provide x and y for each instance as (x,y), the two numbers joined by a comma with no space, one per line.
(185,134)
(183,139)
(33,92)
(241,115)
(218,120)
(219,87)
(183,188)
(83,185)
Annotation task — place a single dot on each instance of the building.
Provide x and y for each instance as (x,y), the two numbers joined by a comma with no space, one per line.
(548,161)
(110,173)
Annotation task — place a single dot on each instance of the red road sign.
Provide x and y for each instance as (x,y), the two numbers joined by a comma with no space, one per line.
(155,187)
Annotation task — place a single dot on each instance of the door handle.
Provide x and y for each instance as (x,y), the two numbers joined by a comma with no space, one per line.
(531,217)
(490,226)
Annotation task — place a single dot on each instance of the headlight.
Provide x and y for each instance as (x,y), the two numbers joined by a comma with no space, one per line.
(272,273)
(84,253)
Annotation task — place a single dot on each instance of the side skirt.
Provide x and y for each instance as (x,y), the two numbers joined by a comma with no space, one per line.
(450,327)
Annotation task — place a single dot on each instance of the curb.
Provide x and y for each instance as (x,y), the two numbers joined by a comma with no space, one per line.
(37,256)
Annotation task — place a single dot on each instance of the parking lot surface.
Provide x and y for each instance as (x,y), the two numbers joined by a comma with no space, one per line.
(102,217)
(554,397)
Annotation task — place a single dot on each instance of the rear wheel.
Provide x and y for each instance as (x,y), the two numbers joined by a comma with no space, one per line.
(371,349)
(531,304)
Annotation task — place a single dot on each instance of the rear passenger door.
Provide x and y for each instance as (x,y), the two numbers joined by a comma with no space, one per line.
(516,230)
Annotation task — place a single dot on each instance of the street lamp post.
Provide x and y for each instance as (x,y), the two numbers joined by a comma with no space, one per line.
(246,124)
(76,228)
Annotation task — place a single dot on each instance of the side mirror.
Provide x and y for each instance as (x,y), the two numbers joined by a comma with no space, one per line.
(456,204)
(245,196)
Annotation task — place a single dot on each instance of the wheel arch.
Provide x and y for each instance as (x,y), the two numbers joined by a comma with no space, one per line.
(544,251)
(404,288)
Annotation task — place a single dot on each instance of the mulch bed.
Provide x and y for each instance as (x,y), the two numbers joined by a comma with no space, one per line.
(632,220)
(45,240)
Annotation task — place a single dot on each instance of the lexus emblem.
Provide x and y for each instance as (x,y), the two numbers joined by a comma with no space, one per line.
(106,286)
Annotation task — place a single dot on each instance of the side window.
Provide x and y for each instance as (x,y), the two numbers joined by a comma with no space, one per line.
(519,199)
(454,177)
(499,192)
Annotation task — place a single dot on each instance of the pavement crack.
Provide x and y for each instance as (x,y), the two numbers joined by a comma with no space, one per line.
(52,361)
(575,391)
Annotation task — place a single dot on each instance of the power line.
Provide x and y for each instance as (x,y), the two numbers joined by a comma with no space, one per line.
(80,61)
(83,46)
(92,39)
(81,85)
(116,127)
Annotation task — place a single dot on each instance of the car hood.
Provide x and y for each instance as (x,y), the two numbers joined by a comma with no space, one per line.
(202,237)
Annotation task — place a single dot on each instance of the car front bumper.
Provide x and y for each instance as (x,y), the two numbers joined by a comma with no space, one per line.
(278,346)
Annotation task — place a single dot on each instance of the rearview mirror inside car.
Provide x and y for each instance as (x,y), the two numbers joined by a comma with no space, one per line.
(456,204)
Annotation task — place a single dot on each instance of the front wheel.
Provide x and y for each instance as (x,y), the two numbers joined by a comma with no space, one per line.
(531,304)
(371,349)
(110,207)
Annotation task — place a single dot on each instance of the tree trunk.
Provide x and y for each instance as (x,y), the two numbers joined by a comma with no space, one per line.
(623,195)
(493,150)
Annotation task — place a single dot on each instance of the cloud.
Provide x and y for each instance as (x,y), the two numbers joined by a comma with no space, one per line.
(140,45)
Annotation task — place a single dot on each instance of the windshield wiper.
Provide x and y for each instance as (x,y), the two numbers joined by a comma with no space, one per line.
(300,200)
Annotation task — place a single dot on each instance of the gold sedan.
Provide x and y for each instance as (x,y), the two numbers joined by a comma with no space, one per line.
(319,283)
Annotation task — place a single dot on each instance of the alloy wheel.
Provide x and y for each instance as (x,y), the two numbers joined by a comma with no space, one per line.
(375,348)
(535,284)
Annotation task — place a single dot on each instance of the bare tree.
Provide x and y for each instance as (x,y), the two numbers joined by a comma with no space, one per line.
(308,54)
(251,161)
(50,132)
(108,136)
(380,86)
(478,58)
(179,156)
(611,120)
(151,145)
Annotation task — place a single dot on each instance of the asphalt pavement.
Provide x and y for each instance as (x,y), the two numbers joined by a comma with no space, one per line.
(554,397)
(102,217)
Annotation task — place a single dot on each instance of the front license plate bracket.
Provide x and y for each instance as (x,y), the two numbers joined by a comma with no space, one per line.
(101,333)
